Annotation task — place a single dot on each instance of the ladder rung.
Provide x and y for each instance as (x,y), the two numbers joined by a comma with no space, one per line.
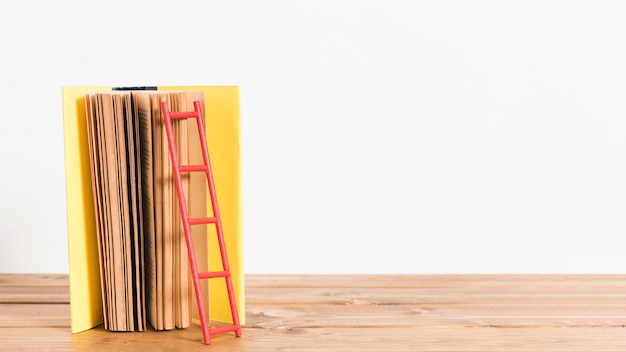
(213,274)
(200,221)
(188,168)
(223,329)
(183,114)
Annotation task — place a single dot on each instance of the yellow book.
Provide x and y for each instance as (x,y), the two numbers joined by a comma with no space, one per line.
(223,138)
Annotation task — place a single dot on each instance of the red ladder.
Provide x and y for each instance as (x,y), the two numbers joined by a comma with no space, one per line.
(187,222)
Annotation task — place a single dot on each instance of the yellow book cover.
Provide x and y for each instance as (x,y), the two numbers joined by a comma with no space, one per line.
(222,126)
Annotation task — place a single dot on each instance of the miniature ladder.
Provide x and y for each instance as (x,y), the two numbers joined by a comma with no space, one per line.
(187,222)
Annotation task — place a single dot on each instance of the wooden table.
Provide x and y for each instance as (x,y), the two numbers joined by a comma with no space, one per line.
(355,313)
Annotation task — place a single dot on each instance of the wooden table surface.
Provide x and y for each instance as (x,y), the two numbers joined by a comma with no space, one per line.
(355,313)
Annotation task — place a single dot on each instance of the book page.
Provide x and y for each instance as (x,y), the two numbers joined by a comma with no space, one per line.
(137,222)
(179,102)
(144,115)
(124,209)
(129,193)
(182,258)
(166,184)
(174,105)
(159,205)
(106,240)
(197,198)
(112,168)
(95,162)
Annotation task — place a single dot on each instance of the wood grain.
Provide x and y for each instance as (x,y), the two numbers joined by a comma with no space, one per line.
(355,313)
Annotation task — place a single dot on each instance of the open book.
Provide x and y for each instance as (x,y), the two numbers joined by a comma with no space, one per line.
(144,269)
(222,120)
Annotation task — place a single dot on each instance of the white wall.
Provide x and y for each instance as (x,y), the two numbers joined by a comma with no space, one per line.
(378,136)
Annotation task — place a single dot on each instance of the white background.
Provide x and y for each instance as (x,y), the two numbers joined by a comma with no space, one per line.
(378,136)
